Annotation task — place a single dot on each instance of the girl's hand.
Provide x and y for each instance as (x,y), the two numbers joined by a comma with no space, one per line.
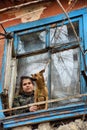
(33,108)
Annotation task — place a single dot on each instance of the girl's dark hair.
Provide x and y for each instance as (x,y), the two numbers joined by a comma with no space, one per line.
(21,82)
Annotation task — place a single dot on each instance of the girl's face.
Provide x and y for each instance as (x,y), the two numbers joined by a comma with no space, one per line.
(27,85)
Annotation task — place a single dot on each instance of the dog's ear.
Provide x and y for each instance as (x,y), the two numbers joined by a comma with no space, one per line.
(42,71)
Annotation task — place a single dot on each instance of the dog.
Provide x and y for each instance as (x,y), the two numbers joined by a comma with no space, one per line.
(41,91)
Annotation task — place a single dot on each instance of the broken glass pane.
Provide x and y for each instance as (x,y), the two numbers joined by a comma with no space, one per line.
(63,34)
(31,42)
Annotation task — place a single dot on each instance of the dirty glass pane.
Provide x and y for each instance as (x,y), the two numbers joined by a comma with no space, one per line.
(65,74)
(63,34)
(64,69)
(31,65)
(31,42)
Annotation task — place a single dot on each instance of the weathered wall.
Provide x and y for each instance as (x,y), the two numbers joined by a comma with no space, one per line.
(73,125)
(32,12)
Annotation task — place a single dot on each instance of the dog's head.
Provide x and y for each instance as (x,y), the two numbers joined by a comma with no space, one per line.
(39,76)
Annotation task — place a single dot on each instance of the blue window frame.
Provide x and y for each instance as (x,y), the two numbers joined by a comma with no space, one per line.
(51,44)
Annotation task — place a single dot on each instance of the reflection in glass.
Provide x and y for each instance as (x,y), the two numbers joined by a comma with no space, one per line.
(31,65)
(63,34)
(65,74)
(31,42)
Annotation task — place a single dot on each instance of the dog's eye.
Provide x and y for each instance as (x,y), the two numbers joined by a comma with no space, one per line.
(41,74)
(35,75)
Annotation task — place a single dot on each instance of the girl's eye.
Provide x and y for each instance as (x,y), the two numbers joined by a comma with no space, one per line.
(27,83)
